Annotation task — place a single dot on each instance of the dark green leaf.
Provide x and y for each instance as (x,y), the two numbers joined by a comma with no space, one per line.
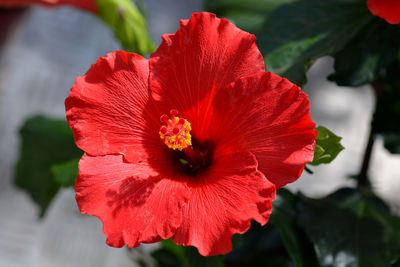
(44,142)
(65,173)
(374,48)
(291,40)
(260,6)
(128,24)
(327,146)
(298,33)
(186,256)
(284,219)
(175,249)
(258,242)
(194,259)
(386,120)
(166,258)
(348,229)
(392,142)
(249,15)
(237,241)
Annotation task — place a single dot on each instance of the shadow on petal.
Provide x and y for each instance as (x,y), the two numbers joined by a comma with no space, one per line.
(132,193)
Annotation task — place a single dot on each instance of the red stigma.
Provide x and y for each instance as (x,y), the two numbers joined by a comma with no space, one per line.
(163,130)
(164,118)
(175,131)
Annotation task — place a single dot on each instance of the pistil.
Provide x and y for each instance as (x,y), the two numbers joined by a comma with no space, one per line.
(175,131)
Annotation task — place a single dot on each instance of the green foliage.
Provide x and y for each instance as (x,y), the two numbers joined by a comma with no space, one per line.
(373,49)
(284,219)
(291,41)
(128,24)
(175,249)
(169,255)
(174,255)
(386,119)
(44,142)
(327,146)
(247,14)
(348,229)
(293,34)
(65,173)
(260,246)
(298,33)
(194,259)
(345,228)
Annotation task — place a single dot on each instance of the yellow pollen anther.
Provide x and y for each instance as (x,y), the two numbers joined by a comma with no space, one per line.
(175,132)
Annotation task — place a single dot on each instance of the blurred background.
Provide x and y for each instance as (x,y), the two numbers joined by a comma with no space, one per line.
(42,50)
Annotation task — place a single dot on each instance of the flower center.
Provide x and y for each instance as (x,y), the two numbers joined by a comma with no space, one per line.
(186,151)
(175,131)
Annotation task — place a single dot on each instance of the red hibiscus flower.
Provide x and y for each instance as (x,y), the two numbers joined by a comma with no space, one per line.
(229,135)
(386,9)
(89,5)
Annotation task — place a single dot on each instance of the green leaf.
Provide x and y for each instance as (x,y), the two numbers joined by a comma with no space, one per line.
(392,142)
(291,40)
(261,246)
(249,15)
(327,146)
(65,173)
(374,48)
(283,217)
(44,142)
(194,259)
(166,258)
(128,24)
(175,249)
(259,6)
(349,229)
(387,113)
(184,256)
(169,255)
(298,33)
(237,241)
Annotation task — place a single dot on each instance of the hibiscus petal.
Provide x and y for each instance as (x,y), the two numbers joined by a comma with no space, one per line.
(105,106)
(89,5)
(133,202)
(204,55)
(269,116)
(386,9)
(222,203)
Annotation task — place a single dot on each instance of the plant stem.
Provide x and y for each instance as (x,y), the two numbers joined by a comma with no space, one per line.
(362,177)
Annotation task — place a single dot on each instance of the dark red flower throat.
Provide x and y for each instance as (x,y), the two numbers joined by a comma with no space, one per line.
(186,151)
